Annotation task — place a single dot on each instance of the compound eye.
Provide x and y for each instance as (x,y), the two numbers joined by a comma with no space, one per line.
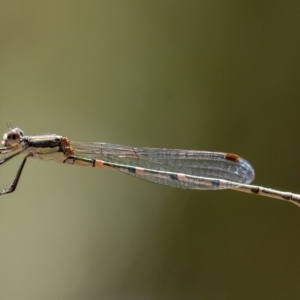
(19,131)
(13,138)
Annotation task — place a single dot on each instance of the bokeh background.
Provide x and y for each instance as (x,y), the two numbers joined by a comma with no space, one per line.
(208,75)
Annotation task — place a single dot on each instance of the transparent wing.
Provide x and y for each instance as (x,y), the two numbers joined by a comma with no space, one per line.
(202,164)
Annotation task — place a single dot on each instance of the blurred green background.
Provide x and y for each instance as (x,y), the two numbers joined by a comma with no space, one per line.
(207,75)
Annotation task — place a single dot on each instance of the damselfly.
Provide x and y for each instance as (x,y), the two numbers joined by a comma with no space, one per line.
(185,169)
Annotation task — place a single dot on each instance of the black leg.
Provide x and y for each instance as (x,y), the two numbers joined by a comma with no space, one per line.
(7,158)
(14,184)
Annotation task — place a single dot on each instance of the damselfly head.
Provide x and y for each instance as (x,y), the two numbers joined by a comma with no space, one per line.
(12,138)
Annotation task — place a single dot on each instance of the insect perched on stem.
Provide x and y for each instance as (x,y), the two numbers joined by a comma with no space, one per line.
(185,169)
